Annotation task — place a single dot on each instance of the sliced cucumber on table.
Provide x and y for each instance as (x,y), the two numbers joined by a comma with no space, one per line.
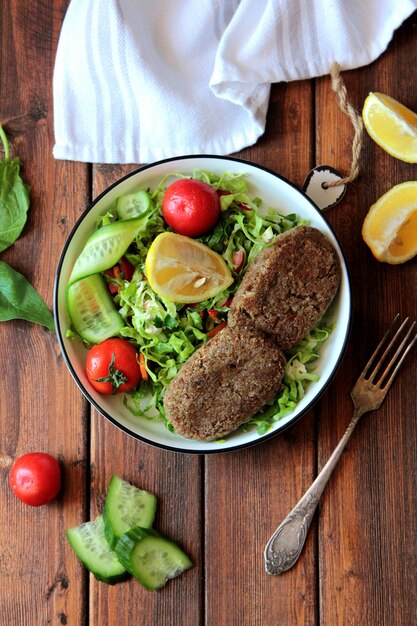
(91,309)
(151,558)
(91,547)
(133,204)
(105,247)
(126,506)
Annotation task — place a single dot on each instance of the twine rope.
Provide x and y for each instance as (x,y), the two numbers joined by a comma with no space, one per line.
(339,88)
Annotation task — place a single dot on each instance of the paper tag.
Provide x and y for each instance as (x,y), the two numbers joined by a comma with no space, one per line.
(314,187)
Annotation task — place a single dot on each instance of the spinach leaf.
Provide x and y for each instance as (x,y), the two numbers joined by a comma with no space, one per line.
(14,197)
(19,300)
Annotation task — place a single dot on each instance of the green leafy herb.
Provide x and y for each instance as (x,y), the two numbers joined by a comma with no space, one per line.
(19,300)
(14,197)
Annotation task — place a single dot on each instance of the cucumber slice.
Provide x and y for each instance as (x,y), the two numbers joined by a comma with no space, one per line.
(133,204)
(151,558)
(105,247)
(90,546)
(91,309)
(126,506)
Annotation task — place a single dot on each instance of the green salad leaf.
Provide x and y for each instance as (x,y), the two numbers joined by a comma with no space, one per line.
(14,197)
(18,299)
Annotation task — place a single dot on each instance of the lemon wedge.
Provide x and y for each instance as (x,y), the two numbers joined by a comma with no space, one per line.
(390,227)
(182,269)
(391,125)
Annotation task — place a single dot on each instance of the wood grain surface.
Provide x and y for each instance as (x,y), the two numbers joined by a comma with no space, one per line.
(358,565)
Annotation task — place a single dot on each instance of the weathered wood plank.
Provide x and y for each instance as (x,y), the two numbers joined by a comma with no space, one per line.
(367,524)
(41,409)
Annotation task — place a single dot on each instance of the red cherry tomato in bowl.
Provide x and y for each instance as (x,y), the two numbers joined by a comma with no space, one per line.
(35,478)
(112,366)
(191,207)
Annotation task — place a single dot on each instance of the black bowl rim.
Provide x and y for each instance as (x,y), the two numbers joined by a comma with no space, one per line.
(91,400)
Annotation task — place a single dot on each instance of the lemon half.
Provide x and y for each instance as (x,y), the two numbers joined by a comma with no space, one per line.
(390,227)
(182,269)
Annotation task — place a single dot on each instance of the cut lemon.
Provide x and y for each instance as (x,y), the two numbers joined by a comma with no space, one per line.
(391,125)
(181,269)
(390,228)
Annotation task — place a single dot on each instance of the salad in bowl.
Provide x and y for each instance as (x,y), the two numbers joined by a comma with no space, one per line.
(149,274)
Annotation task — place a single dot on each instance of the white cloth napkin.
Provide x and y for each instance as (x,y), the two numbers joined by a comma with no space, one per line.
(141,80)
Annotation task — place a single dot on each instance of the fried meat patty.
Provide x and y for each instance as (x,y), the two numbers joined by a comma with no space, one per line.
(223,384)
(288,287)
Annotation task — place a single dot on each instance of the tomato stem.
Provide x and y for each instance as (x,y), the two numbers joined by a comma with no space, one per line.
(115,377)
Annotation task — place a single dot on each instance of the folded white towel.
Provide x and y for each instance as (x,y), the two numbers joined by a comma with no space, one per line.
(141,80)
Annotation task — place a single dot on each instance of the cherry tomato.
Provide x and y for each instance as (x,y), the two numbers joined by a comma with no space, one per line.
(35,478)
(190,207)
(113,366)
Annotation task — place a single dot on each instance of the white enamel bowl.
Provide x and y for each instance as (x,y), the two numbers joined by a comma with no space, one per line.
(274,191)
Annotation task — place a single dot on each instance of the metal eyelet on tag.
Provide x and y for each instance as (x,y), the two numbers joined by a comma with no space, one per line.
(314,186)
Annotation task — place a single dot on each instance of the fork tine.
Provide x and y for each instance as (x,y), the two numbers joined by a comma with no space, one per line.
(388,348)
(377,350)
(397,367)
(393,361)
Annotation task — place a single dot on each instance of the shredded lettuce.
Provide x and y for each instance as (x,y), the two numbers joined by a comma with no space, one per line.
(168,333)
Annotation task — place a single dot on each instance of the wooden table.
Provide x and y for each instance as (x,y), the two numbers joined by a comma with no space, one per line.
(359,563)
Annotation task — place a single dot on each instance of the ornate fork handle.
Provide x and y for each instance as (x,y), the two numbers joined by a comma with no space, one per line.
(286,543)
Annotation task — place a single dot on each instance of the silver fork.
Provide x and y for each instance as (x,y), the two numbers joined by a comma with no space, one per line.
(286,543)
